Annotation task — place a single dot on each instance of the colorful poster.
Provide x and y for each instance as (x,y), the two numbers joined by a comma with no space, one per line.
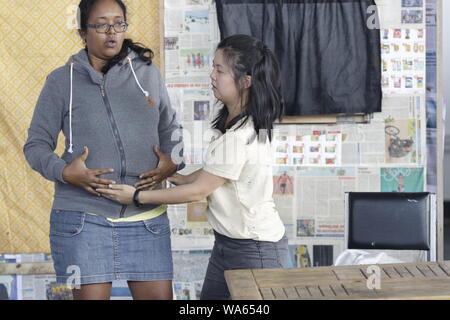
(402,179)
(283,180)
(403,60)
(400,141)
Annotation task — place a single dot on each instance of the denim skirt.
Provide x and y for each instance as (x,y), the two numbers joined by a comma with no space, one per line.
(88,248)
(232,254)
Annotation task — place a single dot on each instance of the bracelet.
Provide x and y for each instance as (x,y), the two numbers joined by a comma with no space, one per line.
(135,198)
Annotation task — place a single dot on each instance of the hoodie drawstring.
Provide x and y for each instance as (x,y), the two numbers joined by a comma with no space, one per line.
(70,150)
(137,81)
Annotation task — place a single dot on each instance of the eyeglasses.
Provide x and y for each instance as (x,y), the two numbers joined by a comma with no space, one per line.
(119,27)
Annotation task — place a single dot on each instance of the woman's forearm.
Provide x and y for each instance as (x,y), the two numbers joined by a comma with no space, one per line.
(203,185)
(179,194)
(190,178)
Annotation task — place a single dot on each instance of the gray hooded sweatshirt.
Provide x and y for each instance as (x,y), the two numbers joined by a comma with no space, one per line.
(119,116)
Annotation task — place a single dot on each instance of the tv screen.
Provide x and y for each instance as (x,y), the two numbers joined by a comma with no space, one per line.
(388,220)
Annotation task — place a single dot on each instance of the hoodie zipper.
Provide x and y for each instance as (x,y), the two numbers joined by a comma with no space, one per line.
(117,137)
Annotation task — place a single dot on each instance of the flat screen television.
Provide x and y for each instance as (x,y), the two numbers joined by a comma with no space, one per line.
(388,220)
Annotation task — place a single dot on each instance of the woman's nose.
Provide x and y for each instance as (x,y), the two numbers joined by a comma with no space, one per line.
(111,29)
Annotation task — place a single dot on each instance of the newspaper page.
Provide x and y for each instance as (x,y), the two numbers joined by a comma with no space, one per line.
(283,195)
(188,222)
(319,200)
(189,273)
(400,13)
(10,289)
(40,287)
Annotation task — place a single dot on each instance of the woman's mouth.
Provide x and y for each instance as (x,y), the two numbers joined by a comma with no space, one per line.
(111,43)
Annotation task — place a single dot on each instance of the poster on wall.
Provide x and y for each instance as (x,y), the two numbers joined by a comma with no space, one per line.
(403,60)
(401,140)
(316,148)
(402,179)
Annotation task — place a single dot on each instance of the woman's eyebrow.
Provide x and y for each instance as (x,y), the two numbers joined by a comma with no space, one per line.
(107,17)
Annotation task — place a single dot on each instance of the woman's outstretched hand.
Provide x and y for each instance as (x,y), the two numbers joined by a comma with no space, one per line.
(118,192)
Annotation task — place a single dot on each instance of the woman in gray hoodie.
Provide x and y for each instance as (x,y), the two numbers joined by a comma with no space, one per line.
(111,103)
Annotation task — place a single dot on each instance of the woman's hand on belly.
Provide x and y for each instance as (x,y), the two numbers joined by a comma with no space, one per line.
(166,167)
(119,192)
(77,174)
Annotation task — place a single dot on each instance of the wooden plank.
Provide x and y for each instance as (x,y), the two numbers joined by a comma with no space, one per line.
(315,292)
(327,292)
(291,293)
(438,271)
(360,291)
(392,273)
(436,287)
(267,293)
(27,268)
(242,285)
(353,273)
(425,270)
(279,294)
(414,271)
(303,292)
(445,266)
(339,290)
(270,278)
(404,273)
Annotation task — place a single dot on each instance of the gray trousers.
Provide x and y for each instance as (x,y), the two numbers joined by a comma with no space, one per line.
(231,254)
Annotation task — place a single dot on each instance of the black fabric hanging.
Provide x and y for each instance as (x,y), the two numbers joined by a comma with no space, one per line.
(330,59)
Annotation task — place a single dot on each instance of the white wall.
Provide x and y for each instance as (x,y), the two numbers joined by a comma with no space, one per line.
(446,88)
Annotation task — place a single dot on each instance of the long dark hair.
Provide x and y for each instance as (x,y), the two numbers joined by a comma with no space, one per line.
(246,55)
(144,53)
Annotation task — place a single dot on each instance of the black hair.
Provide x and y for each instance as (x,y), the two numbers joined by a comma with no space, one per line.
(144,53)
(247,55)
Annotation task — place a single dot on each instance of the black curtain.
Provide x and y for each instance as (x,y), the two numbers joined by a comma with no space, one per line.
(330,59)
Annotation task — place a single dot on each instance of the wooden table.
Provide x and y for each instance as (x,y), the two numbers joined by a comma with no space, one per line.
(426,280)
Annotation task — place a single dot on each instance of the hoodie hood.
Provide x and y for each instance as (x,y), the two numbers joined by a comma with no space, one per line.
(82,64)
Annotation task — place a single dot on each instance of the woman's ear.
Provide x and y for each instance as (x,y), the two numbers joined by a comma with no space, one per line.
(82,35)
(247,82)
